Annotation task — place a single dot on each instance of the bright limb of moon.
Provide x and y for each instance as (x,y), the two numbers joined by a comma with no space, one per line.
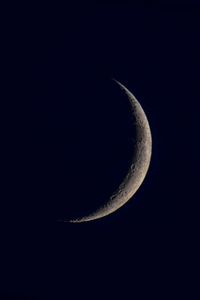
(138,168)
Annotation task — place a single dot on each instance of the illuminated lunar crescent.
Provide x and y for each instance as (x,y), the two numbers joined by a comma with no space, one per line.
(139,165)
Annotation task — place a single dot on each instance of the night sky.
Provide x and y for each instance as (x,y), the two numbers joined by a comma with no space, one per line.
(69,145)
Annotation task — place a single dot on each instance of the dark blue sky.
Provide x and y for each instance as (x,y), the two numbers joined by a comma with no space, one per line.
(72,145)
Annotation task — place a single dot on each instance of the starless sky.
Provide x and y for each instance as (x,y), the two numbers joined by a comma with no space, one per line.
(72,142)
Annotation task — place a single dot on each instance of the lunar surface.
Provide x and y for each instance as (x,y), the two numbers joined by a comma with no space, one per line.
(138,168)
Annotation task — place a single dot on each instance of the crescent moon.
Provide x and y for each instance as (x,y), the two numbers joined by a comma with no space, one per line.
(139,165)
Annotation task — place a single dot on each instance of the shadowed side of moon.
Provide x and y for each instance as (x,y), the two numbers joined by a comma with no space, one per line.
(81,147)
(138,168)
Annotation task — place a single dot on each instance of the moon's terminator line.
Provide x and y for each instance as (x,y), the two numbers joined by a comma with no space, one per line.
(139,166)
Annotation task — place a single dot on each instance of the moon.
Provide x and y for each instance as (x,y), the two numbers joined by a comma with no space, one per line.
(139,164)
